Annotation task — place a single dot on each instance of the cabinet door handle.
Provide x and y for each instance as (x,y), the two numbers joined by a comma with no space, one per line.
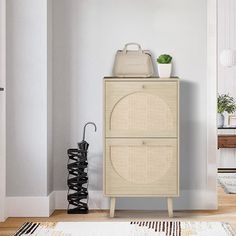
(1,89)
(143,86)
(143,143)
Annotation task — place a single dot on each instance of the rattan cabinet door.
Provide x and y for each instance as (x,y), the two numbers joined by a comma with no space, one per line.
(141,109)
(141,167)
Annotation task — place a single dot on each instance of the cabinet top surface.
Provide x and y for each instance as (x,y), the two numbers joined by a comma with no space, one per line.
(153,79)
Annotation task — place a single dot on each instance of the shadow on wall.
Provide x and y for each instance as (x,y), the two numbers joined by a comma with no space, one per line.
(95,169)
(190,169)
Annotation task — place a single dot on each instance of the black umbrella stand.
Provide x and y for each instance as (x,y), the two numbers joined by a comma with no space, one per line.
(77,180)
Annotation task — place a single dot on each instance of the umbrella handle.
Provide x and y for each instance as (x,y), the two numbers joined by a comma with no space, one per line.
(89,123)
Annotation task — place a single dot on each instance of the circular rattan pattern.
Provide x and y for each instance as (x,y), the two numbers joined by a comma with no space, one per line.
(142,112)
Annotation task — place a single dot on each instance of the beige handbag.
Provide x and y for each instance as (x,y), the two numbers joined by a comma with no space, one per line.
(133,63)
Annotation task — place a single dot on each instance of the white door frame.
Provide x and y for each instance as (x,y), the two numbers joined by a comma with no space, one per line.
(2,109)
(212,67)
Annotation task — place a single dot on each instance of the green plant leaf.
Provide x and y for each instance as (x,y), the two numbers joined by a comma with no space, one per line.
(225,103)
(164,59)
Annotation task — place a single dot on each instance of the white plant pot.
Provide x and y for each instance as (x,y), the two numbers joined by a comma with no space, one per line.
(164,70)
(226,119)
(220,120)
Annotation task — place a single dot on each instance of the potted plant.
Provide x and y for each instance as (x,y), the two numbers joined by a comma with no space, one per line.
(225,103)
(164,65)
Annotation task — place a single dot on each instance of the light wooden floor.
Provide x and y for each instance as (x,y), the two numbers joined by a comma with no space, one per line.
(226,213)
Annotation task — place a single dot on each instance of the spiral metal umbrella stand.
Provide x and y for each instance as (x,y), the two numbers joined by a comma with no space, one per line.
(77,180)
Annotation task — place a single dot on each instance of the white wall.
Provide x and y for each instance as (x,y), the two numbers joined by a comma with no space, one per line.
(227,76)
(27,98)
(49,49)
(87,34)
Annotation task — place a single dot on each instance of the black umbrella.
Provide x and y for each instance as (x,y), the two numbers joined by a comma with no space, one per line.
(78,177)
(83,145)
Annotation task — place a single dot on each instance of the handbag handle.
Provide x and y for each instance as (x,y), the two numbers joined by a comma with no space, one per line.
(136,44)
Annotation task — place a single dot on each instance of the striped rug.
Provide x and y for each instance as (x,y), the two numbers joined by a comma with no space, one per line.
(134,228)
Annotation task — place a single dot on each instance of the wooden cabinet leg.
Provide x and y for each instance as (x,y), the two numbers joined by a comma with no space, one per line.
(170,206)
(112,206)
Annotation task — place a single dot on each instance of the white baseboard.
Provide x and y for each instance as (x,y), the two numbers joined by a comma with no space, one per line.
(52,202)
(44,206)
(29,206)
